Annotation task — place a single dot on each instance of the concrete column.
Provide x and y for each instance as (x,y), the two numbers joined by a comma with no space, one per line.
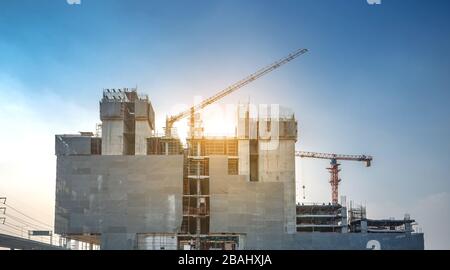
(364,226)
(112,137)
(142,131)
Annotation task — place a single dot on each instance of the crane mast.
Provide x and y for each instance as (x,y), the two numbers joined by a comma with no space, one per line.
(334,167)
(230,89)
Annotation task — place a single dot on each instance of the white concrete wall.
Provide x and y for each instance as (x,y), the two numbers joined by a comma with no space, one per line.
(112,137)
(276,162)
(143,131)
(244,158)
(118,196)
(278,165)
(247,128)
(254,209)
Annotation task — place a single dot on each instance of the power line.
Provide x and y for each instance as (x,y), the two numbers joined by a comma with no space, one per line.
(18,211)
(10,232)
(29,224)
(55,237)
(28,207)
(12,227)
(21,235)
(18,226)
(39,239)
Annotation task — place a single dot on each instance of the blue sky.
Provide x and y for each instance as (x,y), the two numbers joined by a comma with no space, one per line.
(375,81)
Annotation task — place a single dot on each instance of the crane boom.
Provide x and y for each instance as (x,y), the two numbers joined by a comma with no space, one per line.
(172,119)
(334,167)
(364,158)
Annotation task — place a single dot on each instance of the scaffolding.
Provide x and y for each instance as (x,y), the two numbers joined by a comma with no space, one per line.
(196,195)
(156,241)
(213,146)
(216,146)
(356,212)
(164,146)
(320,218)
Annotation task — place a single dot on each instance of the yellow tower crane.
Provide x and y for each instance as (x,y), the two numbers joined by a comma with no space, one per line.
(230,89)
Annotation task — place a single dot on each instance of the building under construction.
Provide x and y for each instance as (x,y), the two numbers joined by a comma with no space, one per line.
(128,188)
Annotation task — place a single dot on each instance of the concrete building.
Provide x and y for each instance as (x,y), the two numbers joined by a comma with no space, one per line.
(130,189)
(128,120)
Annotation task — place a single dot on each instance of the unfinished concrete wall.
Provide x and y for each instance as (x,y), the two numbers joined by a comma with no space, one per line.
(240,206)
(278,165)
(247,127)
(276,156)
(128,120)
(273,130)
(118,196)
(72,145)
(244,158)
(110,109)
(145,124)
(144,111)
(143,132)
(112,137)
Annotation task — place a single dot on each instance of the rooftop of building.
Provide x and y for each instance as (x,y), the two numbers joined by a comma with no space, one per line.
(123,95)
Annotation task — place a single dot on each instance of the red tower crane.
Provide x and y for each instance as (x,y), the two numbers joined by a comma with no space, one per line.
(334,167)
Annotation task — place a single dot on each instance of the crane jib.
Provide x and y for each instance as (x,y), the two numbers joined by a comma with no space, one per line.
(171,120)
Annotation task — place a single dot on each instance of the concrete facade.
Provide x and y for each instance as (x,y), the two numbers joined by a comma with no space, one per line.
(142,131)
(244,158)
(273,130)
(257,210)
(112,137)
(278,165)
(144,124)
(118,196)
(122,196)
(128,120)
(251,208)
(72,145)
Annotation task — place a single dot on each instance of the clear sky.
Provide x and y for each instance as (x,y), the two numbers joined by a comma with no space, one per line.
(376,81)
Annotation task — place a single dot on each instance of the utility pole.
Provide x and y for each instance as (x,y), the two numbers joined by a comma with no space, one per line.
(3,210)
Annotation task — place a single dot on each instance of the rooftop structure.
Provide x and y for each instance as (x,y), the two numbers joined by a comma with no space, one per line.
(128,120)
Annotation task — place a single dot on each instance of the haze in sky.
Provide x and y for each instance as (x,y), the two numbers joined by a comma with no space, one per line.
(375,82)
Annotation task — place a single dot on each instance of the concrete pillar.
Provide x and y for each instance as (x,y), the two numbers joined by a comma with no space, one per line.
(344,221)
(112,137)
(364,226)
(244,158)
(142,131)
